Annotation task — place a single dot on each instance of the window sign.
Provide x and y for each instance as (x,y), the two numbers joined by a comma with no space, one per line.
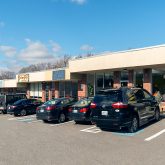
(59,75)
(23,78)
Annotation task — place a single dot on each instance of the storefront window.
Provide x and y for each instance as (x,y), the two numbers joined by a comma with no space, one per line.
(124,78)
(108,80)
(99,78)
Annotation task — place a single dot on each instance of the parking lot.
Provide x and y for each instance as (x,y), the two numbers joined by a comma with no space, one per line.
(27,141)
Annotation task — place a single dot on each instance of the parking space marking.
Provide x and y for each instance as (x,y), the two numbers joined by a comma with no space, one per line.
(127,134)
(27,119)
(155,135)
(58,124)
(93,129)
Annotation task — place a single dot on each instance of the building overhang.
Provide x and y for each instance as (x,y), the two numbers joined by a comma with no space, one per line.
(149,57)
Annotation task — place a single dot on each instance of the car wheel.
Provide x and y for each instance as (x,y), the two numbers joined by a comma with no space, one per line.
(77,122)
(45,121)
(134,125)
(23,112)
(4,111)
(61,118)
(157,114)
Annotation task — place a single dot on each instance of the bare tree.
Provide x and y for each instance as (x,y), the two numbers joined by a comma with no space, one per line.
(7,75)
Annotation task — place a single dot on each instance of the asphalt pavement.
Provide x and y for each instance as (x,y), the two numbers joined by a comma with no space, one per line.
(27,141)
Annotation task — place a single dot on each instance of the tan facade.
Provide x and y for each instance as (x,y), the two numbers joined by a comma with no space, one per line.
(131,59)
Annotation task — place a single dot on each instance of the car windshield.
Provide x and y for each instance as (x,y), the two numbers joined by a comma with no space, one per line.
(51,102)
(83,102)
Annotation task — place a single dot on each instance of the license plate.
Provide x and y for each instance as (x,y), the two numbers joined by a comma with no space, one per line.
(1,107)
(75,111)
(104,113)
(42,110)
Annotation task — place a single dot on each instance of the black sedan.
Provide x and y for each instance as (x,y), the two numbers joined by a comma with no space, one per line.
(23,107)
(80,111)
(55,109)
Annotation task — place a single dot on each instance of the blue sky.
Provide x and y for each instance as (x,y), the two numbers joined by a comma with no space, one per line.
(34,31)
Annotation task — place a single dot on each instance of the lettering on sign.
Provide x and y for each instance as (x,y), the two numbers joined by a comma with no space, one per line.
(23,78)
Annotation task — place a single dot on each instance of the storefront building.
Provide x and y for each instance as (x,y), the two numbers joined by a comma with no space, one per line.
(48,84)
(133,68)
(86,76)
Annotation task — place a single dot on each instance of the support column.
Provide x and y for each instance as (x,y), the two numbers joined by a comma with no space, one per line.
(131,78)
(56,90)
(147,80)
(43,92)
(28,91)
(117,77)
(50,90)
(82,87)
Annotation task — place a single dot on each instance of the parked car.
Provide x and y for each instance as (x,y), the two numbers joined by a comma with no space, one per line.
(9,99)
(24,107)
(124,107)
(80,111)
(55,109)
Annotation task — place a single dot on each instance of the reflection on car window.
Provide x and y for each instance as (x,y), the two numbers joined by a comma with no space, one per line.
(83,102)
(51,102)
(130,96)
(147,95)
(139,94)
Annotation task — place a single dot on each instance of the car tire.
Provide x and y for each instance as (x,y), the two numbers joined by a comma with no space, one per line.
(134,125)
(157,114)
(61,118)
(45,121)
(23,112)
(77,122)
(4,111)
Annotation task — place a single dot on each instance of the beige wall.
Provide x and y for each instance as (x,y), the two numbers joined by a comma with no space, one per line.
(145,57)
(10,83)
(67,74)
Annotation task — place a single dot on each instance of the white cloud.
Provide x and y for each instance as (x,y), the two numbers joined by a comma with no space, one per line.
(35,52)
(2,24)
(55,46)
(86,47)
(7,50)
(80,2)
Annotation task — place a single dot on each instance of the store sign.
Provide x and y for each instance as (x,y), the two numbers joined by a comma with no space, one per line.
(59,75)
(23,78)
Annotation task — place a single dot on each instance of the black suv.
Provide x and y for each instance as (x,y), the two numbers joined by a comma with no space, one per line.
(124,107)
(9,99)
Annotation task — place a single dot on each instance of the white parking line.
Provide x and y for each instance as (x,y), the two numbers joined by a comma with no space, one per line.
(52,125)
(155,135)
(93,129)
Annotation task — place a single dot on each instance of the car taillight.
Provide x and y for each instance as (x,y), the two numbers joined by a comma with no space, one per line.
(119,105)
(70,109)
(13,106)
(37,109)
(83,110)
(93,105)
(50,108)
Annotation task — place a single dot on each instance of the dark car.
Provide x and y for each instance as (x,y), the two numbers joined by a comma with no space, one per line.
(23,107)
(55,109)
(9,99)
(124,107)
(80,111)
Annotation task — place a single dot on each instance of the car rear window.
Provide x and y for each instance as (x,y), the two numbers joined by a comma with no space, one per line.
(51,102)
(108,97)
(19,102)
(83,102)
